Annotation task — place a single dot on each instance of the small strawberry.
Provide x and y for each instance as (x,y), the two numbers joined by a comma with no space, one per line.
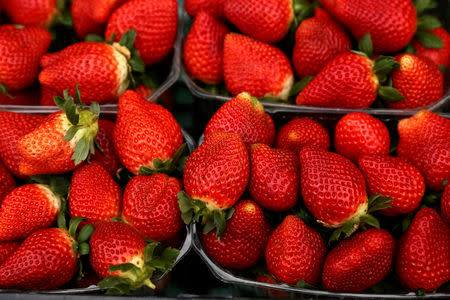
(40,13)
(302,132)
(245,116)
(7,182)
(108,158)
(203,49)
(215,8)
(255,67)
(274,177)
(440,56)
(244,240)
(146,134)
(360,133)
(445,205)
(150,204)
(295,252)
(7,249)
(359,262)
(423,252)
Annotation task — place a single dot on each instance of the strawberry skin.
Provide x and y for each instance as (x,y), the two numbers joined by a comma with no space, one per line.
(244,240)
(110,161)
(7,182)
(440,57)
(7,249)
(215,8)
(144,131)
(359,262)
(445,205)
(360,133)
(302,132)
(274,177)
(203,49)
(150,204)
(245,116)
(295,252)
(31,12)
(27,96)
(423,253)
(155,23)
(391,23)
(255,67)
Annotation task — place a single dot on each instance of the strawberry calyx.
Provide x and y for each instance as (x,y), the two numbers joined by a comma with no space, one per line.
(426,23)
(4,90)
(300,85)
(160,166)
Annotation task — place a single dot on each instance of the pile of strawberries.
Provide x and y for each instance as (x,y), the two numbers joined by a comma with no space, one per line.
(263,46)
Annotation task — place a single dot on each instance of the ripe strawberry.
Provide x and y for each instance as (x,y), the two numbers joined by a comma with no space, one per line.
(301,132)
(27,96)
(273,293)
(359,262)
(215,8)
(295,252)
(150,204)
(7,249)
(425,143)
(203,49)
(155,23)
(31,12)
(418,80)
(255,67)
(317,41)
(391,23)
(244,240)
(146,134)
(26,209)
(274,177)
(7,182)
(108,159)
(264,20)
(445,205)
(360,133)
(245,116)
(423,253)
(440,57)
(48,96)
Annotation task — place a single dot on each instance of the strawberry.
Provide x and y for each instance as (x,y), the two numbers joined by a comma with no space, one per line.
(265,20)
(425,143)
(40,13)
(391,23)
(440,56)
(215,8)
(215,177)
(7,182)
(360,133)
(255,67)
(317,41)
(62,141)
(155,23)
(423,252)
(295,252)
(27,96)
(203,49)
(445,205)
(7,249)
(245,116)
(274,177)
(109,159)
(150,204)
(301,132)
(94,195)
(359,262)
(244,240)
(47,96)
(146,134)
(418,80)
(27,209)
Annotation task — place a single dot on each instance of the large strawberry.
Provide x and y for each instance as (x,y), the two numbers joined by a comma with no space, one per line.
(155,23)
(440,56)
(215,8)
(295,252)
(255,67)
(274,177)
(7,249)
(359,262)
(31,12)
(423,253)
(108,157)
(7,182)
(445,205)
(244,240)
(245,116)
(203,49)
(150,204)
(391,23)
(146,134)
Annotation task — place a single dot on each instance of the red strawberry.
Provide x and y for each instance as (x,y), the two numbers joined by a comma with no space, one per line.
(440,57)
(150,204)
(391,23)
(295,252)
(418,80)
(7,249)
(28,96)
(48,96)
(193,7)
(26,209)
(317,41)
(274,177)
(244,240)
(203,49)
(264,20)
(7,182)
(423,253)
(445,205)
(301,132)
(255,67)
(360,133)
(155,23)
(94,195)
(359,262)
(31,12)
(144,132)
(109,160)
(245,116)
(425,143)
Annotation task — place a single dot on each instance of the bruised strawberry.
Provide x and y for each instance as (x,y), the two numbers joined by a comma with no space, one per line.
(440,56)
(108,159)
(7,182)
(215,8)
(445,205)
(40,13)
